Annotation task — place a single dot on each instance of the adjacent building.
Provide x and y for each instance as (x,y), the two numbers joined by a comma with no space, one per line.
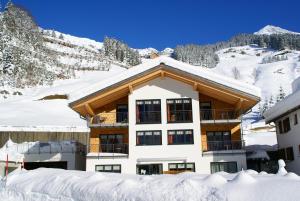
(165,116)
(285,114)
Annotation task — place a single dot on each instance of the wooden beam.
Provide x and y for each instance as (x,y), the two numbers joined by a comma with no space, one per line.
(195,87)
(162,75)
(89,109)
(239,105)
(130,89)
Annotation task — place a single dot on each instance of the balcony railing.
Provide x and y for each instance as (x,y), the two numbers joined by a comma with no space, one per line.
(109,119)
(148,117)
(109,148)
(216,114)
(223,145)
(180,116)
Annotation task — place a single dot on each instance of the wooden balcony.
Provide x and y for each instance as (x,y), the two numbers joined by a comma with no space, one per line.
(109,148)
(229,145)
(108,119)
(219,116)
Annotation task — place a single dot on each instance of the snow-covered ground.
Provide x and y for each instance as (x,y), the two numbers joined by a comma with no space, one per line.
(62,185)
(29,113)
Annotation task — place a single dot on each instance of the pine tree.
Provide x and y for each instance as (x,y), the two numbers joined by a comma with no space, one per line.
(271,101)
(53,34)
(61,37)
(281,94)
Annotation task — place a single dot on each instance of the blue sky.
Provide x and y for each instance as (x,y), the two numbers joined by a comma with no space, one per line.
(164,23)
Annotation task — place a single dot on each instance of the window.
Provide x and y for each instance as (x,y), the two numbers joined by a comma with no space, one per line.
(122,113)
(179,110)
(286,154)
(149,169)
(281,154)
(108,168)
(289,154)
(148,111)
(286,125)
(280,127)
(295,119)
(148,138)
(180,167)
(206,111)
(230,167)
(180,137)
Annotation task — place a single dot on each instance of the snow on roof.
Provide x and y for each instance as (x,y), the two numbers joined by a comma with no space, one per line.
(136,70)
(287,104)
(261,140)
(258,154)
(46,115)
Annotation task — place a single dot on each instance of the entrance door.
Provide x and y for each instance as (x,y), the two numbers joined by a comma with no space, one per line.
(149,169)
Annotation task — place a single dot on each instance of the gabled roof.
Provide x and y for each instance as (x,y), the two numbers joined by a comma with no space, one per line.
(165,63)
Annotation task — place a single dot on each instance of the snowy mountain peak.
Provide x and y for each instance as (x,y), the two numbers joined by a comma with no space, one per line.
(270,29)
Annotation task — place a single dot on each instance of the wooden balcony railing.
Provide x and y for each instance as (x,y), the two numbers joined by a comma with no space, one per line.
(219,114)
(222,145)
(109,148)
(108,119)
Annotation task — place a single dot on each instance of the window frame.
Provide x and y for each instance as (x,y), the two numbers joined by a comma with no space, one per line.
(185,168)
(219,163)
(174,104)
(295,119)
(150,122)
(289,151)
(178,130)
(280,127)
(286,124)
(151,135)
(112,165)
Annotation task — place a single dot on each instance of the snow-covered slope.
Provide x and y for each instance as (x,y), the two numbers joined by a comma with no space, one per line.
(30,113)
(270,29)
(246,64)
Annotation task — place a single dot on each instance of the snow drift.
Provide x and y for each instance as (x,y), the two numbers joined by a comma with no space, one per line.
(57,185)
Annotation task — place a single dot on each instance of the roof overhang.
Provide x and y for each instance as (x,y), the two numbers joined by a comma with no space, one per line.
(86,104)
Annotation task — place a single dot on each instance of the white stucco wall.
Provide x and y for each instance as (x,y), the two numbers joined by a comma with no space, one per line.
(164,89)
(291,139)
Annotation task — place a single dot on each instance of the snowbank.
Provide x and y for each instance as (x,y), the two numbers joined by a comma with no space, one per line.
(62,185)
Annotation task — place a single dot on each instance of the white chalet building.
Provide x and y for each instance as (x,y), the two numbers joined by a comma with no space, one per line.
(165,116)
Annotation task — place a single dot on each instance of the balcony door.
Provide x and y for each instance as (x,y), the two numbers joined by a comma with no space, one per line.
(112,143)
(206,110)
(218,140)
(122,113)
